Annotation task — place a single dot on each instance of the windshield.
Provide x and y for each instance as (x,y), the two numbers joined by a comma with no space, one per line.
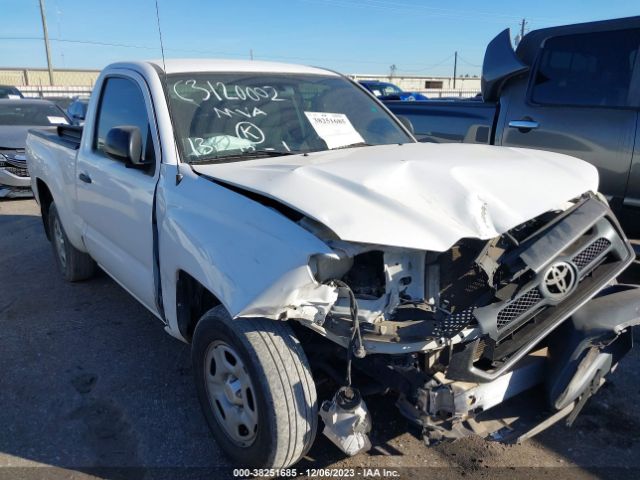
(30,114)
(223,115)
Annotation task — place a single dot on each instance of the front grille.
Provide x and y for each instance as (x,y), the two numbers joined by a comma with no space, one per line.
(593,242)
(591,253)
(526,304)
(20,172)
(15,166)
(454,323)
(518,307)
(587,241)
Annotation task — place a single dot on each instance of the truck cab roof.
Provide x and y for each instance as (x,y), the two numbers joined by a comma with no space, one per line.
(186,65)
(530,45)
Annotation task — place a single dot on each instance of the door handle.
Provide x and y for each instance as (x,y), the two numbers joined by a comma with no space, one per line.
(524,124)
(85,178)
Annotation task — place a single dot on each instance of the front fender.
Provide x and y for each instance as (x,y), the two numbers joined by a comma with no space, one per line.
(251,257)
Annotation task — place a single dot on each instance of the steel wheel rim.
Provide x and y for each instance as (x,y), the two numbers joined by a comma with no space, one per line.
(231,393)
(60,243)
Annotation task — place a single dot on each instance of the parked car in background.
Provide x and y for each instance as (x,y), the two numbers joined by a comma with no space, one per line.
(7,91)
(16,118)
(77,110)
(389,91)
(62,102)
(569,89)
(280,219)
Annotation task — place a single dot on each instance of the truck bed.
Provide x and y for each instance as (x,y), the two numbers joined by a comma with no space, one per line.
(449,121)
(51,155)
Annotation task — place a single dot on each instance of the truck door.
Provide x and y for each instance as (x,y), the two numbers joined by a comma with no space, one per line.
(578,101)
(630,214)
(114,201)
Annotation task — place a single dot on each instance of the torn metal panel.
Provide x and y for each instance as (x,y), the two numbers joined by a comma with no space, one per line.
(295,296)
(402,275)
(421,196)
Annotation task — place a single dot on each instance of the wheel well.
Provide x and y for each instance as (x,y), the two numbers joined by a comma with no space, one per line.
(46,199)
(193,301)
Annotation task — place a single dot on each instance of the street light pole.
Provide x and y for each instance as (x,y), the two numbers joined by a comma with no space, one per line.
(46,41)
(455,69)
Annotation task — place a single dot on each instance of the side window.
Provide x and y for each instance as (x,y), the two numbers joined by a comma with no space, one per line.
(591,69)
(121,104)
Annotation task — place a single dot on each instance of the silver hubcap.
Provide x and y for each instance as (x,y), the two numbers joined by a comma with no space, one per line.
(231,394)
(59,239)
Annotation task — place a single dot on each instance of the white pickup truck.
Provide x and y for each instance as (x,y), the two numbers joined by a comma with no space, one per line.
(280,219)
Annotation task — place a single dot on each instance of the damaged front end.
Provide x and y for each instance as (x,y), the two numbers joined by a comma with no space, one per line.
(533,315)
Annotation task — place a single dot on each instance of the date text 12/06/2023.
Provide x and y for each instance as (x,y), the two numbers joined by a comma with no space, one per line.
(365,472)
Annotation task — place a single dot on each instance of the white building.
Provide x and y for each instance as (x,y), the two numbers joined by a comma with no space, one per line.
(430,86)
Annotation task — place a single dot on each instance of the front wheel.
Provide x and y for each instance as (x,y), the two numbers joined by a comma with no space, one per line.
(255,388)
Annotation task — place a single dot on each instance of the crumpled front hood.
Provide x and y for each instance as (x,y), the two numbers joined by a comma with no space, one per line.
(423,196)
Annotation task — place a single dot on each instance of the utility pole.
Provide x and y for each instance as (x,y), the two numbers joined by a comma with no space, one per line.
(46,41)
(522,25)
(392,71)
(251,53)
(455,68)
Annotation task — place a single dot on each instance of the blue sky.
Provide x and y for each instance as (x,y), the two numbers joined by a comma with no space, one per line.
(352,36)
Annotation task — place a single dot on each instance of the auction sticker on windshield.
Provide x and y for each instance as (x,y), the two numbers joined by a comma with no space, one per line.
(57,120)
(334,128)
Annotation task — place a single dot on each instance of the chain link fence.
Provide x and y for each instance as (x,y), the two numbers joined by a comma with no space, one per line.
(55,91)
(31,77)
(70,83)
(450,94)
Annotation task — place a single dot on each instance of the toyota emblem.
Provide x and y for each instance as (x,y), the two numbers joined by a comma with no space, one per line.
(559,280)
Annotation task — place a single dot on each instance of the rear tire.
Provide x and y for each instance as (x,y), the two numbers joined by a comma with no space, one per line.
(255,388)
(74,264)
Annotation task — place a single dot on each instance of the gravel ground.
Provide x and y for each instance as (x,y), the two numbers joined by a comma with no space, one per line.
(92,387)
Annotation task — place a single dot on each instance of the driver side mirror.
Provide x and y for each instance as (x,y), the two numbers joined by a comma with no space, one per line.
(407,123)
(124,144)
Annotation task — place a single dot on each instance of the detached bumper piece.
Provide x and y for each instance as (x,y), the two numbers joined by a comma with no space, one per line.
(547,385)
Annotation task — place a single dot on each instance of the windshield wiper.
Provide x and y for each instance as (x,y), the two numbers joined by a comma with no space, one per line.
(262,153)
(352,145)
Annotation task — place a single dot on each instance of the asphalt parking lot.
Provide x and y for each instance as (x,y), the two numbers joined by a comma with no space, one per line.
(91,386)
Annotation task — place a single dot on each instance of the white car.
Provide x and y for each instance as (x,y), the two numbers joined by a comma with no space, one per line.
(17,116)
(280,219)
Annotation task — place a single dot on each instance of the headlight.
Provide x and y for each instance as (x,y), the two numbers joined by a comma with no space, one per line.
(602,198)
(327,267)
